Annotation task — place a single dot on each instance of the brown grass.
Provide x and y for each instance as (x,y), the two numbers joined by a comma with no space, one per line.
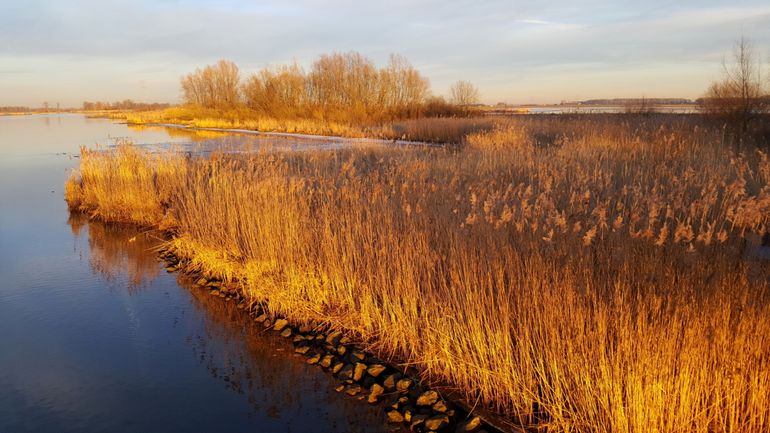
(590,275)
(434,130)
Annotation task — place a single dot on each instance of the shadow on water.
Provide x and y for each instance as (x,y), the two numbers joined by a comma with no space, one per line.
(122,254)
(248,361)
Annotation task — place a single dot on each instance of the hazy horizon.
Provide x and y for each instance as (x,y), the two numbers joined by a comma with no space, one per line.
(525,52)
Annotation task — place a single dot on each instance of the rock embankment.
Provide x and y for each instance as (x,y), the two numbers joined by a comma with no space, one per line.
(361,375)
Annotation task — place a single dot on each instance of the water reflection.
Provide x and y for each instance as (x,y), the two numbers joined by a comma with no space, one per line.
(260,367)
(206,141)
(122,254)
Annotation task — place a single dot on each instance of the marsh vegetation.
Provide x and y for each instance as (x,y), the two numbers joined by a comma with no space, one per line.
(591,274)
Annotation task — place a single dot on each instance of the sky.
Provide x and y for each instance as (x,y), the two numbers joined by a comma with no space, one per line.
(514,51)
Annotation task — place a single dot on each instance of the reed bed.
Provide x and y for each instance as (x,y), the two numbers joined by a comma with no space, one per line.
(584,275)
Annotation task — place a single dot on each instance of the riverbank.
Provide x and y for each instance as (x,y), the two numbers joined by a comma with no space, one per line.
(435,130)
(100,338)
(361,374)
(21,113)
(541,270)
(328,138)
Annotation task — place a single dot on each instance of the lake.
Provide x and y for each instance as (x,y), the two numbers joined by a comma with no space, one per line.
(97,337)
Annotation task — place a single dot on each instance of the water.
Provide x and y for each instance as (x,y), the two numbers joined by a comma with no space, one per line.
(96,337)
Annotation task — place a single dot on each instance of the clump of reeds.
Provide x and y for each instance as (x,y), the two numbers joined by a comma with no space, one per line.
(589,276)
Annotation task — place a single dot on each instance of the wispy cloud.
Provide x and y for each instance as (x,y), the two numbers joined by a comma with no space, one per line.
(534,21)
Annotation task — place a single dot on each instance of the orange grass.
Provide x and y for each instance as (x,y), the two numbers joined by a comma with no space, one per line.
(437,130)
(585,276)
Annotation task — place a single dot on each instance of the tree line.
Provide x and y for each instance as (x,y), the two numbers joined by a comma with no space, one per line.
(126,104)
(338,86)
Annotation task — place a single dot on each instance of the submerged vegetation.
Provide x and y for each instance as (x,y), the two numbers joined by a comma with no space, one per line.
(599,274)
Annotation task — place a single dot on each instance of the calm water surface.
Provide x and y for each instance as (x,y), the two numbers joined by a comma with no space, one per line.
(96,337)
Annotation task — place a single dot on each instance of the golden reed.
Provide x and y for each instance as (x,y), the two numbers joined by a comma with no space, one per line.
(588,276)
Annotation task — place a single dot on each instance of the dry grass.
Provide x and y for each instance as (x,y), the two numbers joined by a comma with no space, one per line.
(592,276)
(435,130)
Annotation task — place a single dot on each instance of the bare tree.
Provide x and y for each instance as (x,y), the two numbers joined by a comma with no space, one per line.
(738,97)
(340,87)
(215,86)
(464,93)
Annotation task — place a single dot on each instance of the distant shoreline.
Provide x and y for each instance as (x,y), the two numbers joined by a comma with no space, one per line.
(366,140)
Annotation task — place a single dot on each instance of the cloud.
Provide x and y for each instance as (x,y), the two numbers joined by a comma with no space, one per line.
(533,21)
(491,43)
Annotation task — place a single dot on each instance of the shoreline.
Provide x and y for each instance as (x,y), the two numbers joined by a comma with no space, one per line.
(331,138)
(361,374)
(384,244)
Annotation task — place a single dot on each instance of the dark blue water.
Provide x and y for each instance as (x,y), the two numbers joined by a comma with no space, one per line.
(96,337)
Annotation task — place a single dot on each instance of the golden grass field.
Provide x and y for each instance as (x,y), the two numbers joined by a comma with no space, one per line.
(436,130)
(588,275)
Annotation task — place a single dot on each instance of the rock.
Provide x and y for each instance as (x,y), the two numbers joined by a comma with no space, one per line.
(408,411)
(298,339)
(369,381)
(314,359)
(261,318)
(402,401)
(427,398)
(345,340)
(376,392)
(341,350)
(201,281)
(437,422)
(353,389)
(337,367)
(403,385)
(286,333)
(472,424)
(302,350)
(214,292)
(440,407)
(375,370)
(395,416)
(340,388)
(334,338)
(346,372)
(358,371)
(417,420)
(267,323)
(280,324)
(304,329)
(326,361)
(357,356)
(390,381)
(320,337)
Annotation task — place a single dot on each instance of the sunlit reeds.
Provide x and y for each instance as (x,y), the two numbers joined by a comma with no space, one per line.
(590,276)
